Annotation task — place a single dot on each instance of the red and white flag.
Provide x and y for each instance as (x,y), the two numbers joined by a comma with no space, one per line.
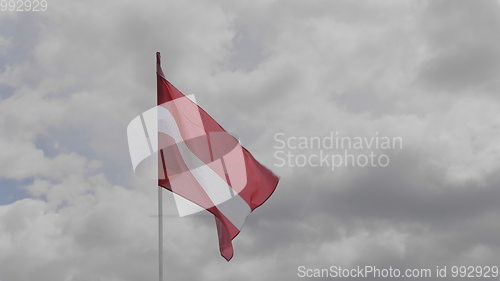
(201,162)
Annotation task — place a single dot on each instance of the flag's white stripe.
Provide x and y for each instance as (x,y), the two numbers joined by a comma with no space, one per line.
(235,209)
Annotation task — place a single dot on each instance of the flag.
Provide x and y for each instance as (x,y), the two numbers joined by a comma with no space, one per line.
(204,164)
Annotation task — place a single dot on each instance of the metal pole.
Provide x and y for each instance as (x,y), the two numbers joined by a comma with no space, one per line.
(160,233)
(160,189)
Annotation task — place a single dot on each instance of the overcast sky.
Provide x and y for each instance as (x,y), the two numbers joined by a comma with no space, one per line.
(72,78)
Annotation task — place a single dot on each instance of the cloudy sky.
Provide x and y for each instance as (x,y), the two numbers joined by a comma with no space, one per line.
(72,78)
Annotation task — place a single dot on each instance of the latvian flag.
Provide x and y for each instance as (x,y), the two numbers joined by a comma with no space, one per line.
(204,164)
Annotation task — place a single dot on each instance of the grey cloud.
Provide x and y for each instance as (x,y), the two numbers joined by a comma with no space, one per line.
(462,40)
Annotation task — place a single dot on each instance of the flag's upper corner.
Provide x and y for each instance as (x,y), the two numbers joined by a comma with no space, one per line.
(159,71)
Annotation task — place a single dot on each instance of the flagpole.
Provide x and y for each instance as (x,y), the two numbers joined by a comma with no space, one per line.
(160,189)
(160,233)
